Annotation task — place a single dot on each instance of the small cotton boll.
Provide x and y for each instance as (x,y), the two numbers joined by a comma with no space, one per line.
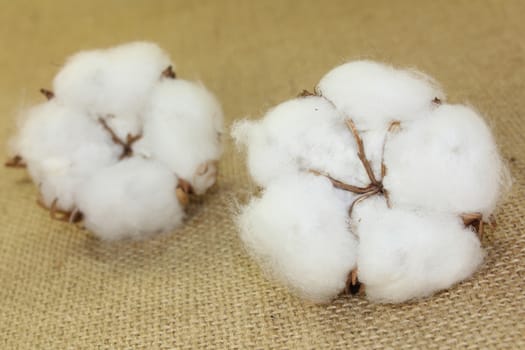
(61,148)
(374,94)
(183,122)
(134,198)
(114,81)
(300,135)
(407,254)
(298,231)
(448,161)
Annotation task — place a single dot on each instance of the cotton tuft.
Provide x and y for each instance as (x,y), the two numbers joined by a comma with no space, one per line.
(312,224)
(121,142)
(183,124)
(112,82)
(373,183)
(130,199)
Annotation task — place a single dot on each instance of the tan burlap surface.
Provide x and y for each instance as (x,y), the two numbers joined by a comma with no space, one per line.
(196,288)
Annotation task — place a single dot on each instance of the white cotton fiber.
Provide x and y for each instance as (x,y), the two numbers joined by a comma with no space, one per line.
(264,159)
(183,122)
(298,230)
(303,133)
(115,81)
(409,171)
(85,148)
(131,199)
(447,161)
(405,254)
(373,94)
(62,147)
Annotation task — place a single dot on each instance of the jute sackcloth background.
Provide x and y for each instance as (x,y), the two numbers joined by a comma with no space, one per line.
(60,288)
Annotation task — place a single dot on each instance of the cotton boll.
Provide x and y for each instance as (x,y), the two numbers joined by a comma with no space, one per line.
(374,94)
(300,135)
(131,199)
(405,254)
(298,231)
(114,81)
(446,162)
(62,147)
(183,122)
(430,164)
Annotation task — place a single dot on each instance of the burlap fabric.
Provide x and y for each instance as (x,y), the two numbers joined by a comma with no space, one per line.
(196,288)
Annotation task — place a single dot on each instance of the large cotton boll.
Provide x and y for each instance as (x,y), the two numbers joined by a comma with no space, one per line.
(300,135)
(131,199)
(183,122)
(374,94)
(407,254)
(298,231)
(61,148)
(114,81)
(446,162)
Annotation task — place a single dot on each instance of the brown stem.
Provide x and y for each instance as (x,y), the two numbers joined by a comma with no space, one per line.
(183,190)
(386,194)
(353,285)
(15,162)
(343,186)
(182,196)
(361,151)
(394,125)
(127,147)
(61,215)
(114,136)
(76,216)
(169,73)
(476,221)
(58,214)
(47,93)
(362,198)
(305,93)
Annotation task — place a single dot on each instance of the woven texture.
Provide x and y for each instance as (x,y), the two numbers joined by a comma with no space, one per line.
(196,288)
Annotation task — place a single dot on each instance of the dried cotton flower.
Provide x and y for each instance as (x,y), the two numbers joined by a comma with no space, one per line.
(373,183)
(121,142)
